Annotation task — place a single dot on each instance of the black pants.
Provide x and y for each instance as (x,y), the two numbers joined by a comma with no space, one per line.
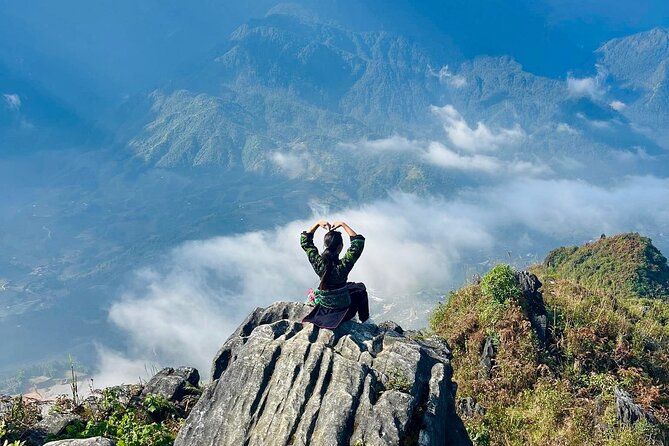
(359,302)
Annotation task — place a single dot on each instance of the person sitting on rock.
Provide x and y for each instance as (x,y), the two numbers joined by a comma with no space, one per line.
(336,300)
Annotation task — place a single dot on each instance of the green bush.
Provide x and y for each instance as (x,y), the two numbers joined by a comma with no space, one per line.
(438,316)
(500,284)
(131,424)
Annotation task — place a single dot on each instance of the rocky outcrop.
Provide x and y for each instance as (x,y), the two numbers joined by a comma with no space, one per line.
(52,425)
(293,311)
(627,411)
(533,302)
(487,360)
(280,382)
(172,384)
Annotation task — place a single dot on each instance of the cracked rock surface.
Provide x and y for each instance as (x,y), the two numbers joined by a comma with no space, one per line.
(280,382)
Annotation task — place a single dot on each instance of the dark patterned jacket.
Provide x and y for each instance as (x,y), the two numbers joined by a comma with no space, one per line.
(338,277)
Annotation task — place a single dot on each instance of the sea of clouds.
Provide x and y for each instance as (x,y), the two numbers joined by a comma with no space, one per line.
(181,310)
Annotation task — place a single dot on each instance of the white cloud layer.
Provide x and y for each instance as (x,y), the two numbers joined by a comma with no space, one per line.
(595,123)
(441,156)
(438,154)
(563,127)
(180,311)
(593,87)
(12,100)
(394,143)
(618,105)
(447,77)
(463,138)
(479,138)
(292,164)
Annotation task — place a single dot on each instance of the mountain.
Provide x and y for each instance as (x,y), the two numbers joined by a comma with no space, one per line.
(292,84)
(573,352)
(283,81)
(626,265)
(639,64)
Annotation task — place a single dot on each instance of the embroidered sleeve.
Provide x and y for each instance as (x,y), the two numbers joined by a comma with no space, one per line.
(307,243)
(353,252)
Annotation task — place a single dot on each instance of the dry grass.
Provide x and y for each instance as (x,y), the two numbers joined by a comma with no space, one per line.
(561,393)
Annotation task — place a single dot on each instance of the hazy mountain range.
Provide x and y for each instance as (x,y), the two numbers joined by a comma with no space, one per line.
(289,112)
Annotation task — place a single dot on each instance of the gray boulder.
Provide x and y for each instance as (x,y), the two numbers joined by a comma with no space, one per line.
(172,383)
(53,424)
(281,382)
(532,301)
(627,411)
(487,360)
(94,441)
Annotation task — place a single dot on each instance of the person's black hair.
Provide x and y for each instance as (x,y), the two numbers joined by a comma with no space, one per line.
(333,243)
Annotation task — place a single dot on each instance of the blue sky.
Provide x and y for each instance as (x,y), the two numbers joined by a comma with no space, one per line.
(546,37)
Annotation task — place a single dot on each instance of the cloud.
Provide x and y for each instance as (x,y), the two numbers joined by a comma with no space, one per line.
(636,153)
(394,143)
(291,164)
(480,138)
(441,156)
(526,168)
(592,87)
(596,123)
(115,368)
(181,310)
(563,127)
(437,154)
(618,105)
(463,137)
(447,77)
(12,100)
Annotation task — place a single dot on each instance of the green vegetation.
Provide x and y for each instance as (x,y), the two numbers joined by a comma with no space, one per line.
(20,416)
(625,265)
(500,284)
(397,380)
(153,421)
(118,414)
(604,332)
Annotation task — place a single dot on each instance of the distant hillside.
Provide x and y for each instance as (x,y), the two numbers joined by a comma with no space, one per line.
(291,84)
(640,64)
(574,353)
(623,265)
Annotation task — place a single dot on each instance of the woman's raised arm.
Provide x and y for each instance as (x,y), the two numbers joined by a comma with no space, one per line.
(347,228)
(318,224)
